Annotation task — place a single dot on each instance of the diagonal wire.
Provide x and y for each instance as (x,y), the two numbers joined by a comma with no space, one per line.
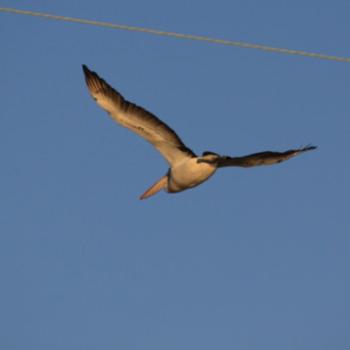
(177,35)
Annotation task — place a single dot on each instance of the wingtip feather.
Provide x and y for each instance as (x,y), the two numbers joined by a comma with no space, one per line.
(308,148)
(93,81)
(87,72)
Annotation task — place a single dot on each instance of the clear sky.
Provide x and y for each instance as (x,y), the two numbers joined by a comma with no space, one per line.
(253,259)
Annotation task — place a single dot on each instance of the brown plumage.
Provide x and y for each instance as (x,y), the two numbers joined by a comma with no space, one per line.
(262,158)
(186,169)
(135,118)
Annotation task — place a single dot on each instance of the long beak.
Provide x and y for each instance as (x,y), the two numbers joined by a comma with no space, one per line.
(162,183)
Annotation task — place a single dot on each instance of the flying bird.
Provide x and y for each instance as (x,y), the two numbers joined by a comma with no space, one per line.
(186,169)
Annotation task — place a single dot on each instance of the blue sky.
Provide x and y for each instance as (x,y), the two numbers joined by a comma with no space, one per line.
(252,259)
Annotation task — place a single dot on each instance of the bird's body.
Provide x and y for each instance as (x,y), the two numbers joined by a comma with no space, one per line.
(187,170)
(189,173)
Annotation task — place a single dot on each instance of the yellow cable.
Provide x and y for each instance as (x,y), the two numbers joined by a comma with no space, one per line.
(177,35)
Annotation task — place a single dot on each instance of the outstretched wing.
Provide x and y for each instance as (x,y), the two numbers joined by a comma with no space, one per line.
(137,119)
(262,158)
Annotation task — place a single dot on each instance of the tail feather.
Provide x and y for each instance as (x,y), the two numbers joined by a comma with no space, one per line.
(160,184)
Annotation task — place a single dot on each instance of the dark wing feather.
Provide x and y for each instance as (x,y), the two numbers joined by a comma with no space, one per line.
(136,118)
(262,158)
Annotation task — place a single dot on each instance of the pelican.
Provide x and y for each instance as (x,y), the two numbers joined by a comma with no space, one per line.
(187,170)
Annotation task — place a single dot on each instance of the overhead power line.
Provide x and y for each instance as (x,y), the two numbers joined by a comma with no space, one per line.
(177,35)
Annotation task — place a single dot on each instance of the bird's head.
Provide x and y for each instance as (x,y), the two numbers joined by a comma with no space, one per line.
(208,157)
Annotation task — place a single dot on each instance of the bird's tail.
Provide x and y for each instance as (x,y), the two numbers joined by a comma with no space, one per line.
(160,184)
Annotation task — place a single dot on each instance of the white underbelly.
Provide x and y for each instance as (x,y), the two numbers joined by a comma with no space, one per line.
(188,174)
